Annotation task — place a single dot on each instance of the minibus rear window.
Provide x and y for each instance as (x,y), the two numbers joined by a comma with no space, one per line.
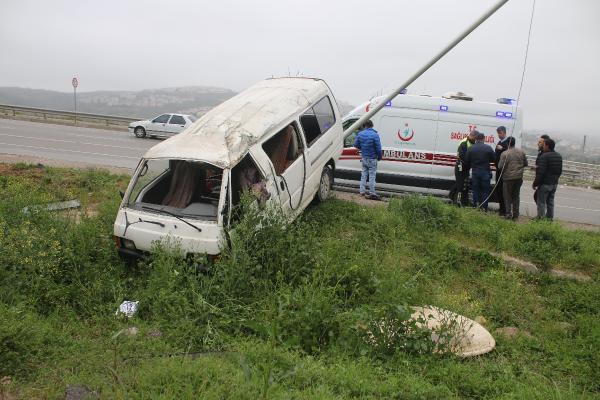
(317,120)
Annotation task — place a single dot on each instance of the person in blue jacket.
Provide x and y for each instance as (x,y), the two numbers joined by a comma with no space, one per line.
(369,144)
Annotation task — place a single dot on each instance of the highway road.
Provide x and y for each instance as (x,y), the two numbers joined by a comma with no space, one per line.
(98,147)
(72,144)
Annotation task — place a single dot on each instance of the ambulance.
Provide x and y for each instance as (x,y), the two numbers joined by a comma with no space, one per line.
(420,137)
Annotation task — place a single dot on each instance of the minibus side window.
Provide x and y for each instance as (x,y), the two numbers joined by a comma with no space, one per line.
(317,120)
(283,148)
(349,140)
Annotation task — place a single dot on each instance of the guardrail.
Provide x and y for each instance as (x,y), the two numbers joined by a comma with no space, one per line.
(573,171)
(65,117)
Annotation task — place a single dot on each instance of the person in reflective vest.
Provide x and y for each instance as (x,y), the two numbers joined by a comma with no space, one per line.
(461,170)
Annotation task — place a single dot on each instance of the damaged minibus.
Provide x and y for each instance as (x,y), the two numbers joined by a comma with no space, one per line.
(279,139)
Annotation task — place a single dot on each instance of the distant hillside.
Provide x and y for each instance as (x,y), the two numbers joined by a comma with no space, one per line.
(569,145)
(194,100)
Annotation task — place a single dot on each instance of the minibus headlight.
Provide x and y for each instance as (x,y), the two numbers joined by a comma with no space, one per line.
(128,244)
(125,243)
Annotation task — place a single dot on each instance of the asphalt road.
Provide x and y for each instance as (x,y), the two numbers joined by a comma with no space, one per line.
(106,148)
(72,144)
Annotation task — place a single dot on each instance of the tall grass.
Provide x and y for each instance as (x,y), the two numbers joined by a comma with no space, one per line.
(289,310)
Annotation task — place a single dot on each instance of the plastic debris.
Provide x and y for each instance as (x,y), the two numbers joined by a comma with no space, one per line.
(128,308)
(61,205)
(467,338)
(131,331)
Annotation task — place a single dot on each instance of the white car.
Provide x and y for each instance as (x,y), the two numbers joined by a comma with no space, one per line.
(163,125)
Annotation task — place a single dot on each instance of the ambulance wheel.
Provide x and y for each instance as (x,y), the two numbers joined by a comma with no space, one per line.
(139,132)
(453,195)
(325,185)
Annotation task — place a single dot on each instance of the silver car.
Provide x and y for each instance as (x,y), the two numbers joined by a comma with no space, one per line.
(164,125)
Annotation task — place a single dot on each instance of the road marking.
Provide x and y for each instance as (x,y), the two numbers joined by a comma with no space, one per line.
(569,207)
(70,141)
(68,151)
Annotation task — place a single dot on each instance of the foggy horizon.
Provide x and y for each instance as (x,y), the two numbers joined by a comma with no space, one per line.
(359,50)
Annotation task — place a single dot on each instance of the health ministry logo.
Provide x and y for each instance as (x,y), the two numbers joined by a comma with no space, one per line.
(406,134)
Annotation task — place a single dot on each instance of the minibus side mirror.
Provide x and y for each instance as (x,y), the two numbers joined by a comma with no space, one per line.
(122,194)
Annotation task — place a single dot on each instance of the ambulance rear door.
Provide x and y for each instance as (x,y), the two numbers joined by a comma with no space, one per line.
(456,119)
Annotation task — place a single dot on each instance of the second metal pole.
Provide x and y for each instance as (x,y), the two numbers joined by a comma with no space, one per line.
(75,101)
(421,71)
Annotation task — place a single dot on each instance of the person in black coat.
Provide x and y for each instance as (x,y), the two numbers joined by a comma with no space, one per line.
(501,147)
(479,158)
(547,172)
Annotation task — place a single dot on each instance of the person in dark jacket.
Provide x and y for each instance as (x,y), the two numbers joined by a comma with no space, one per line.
(479,158)
(501,147)
(540,144)
(369,144)
(547,172)
(540,148)
(461,170)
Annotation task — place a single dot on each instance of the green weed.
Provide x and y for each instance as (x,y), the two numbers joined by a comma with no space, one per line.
(314,309)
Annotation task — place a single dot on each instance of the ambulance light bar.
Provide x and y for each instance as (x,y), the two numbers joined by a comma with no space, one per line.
(505,100)
(503,114)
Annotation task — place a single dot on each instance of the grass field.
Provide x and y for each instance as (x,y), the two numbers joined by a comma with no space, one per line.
(284,313)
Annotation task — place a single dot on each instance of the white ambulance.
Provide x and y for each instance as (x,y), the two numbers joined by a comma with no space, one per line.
(420,137)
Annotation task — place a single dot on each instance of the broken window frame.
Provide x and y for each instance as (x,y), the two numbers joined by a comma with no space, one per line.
(132,198)
(300,146)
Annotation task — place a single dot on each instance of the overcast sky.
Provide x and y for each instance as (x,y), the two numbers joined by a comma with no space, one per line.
(359,47)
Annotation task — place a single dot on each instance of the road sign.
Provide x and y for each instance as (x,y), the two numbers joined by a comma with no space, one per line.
(75,82)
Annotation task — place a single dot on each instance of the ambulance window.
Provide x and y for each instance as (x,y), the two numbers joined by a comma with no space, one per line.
(283,148)
(349,140)
(317,120)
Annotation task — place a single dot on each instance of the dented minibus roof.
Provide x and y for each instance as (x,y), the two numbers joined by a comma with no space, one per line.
(223,136)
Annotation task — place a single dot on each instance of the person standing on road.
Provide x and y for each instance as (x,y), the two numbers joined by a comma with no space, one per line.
(461,170)
(479,157)
(512,162)
(369,144)
(547,172)
(500,148)
(540,144)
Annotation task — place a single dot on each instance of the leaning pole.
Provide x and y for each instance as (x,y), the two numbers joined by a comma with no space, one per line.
(421,71)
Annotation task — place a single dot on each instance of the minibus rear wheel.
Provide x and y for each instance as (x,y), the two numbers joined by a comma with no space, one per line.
(326,184)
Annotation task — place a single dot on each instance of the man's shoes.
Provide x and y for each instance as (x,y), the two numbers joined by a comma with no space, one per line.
(363,194)
(373,197)
(508,216)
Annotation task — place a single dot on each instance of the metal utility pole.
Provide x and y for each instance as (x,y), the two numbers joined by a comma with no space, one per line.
(75,83)
(421,71)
